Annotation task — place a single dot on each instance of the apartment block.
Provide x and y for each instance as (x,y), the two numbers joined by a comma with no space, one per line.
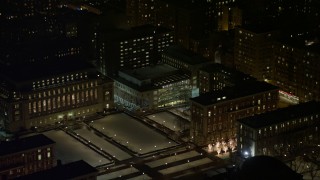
(26,156)
(214,114)
(283,132)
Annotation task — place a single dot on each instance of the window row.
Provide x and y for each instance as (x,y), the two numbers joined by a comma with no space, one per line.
(62,101)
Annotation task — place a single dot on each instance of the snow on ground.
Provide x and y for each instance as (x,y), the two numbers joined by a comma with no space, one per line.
(118,174)
(104,144)
(173,158)
(68,149)
(185,166)
(132,133)
(170,121)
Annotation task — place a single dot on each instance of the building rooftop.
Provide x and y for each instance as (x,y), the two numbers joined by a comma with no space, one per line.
(151,77)
(184,55)
(30,49)
(266,167)
(150,72)
(72,170)
(20,145)
(114,35)
(29,72)
(219,68)
(240,90)
(281,115)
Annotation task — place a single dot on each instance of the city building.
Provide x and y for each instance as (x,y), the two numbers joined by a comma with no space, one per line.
(51,49)
(78,170)
(51,93)
(134,48)
(166,14)
(266,167)
(152,87)
(57,36)
(214,114)
(296,67)
(216,76)
(253,51)
(230,18)
(26,156)
(190,20)
(21,30)
(283,132)
(140,12)
(15,9)
(215,10)
(185,17)
(181,58)
(306,9)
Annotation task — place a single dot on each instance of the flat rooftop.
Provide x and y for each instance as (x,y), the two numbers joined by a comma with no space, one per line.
(151,77)
(240,90)
(42,70)
(184,55)
(150,84)
(219,68)
(135,32)
(24,144)
(281,115)
(150,72)
(72,170)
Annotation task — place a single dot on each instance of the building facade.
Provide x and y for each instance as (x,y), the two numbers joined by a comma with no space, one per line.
(52,94)
(78,170)
(214,114)
(283,132)
(14,9)
(184,59)
(152,88)
(253,51)
(140,12)
(26,156)
(230,18)
(296,69)
(215,77)
(132,49)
